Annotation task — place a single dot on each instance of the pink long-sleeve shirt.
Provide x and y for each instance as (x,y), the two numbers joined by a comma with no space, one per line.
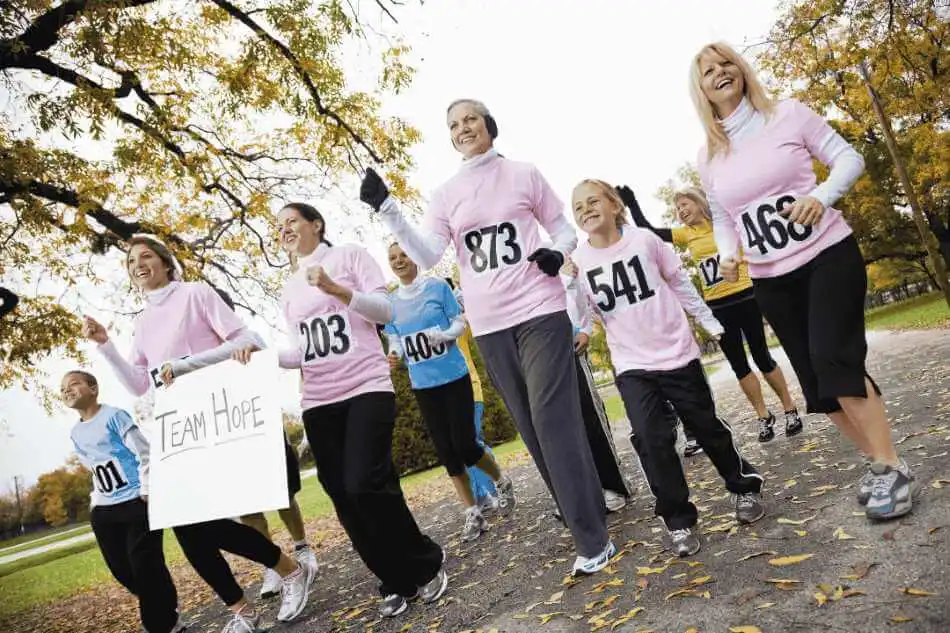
(639,289)
(769,166)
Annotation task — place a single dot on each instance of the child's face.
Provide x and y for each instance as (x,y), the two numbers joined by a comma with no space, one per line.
(76,392)
(593,211)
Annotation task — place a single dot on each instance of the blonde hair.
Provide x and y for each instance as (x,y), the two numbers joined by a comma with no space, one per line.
(716,139)
(612,196)
(698,196)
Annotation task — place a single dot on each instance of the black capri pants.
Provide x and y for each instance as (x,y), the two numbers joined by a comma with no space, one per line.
(742,318)
(449,414)
(817,312)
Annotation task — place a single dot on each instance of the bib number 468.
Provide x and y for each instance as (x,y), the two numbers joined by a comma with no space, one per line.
(769,230)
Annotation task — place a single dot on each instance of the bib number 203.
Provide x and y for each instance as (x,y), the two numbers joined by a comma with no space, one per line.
(491,246)
(622,285)
(768,230)
(325,335)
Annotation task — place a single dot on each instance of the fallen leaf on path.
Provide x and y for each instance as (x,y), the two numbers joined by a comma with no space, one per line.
(784,521)
(912,591)
(900,618)
(765,605)
(783,583)
(940,483)
(696,582)
(933,529)
(547,617)
(629,615)
(801,532)
(613,582)
(791,483)
(756,555)
(860,571)
(555,598)
(646,571)
(841,535)
(680,592)
(789,560)
(748,628)
(821,598)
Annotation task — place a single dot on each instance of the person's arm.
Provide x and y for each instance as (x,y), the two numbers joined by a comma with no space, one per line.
(423,246)
(394,345)
(578,305)
(549,210)
(238,340)
(136,440)
(8,301)
(453,312)
(132,373)
(671,267)
(825,144)
(374,306)
(636,214)
(724,228)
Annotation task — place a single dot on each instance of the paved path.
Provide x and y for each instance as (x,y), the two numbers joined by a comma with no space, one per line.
(39,549)
(852,575)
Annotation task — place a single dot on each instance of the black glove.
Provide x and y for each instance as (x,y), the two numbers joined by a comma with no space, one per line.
(548,260)
(629,199)
(8,301)
(373,191)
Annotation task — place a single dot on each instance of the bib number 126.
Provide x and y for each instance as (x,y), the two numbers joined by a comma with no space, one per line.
(768,230)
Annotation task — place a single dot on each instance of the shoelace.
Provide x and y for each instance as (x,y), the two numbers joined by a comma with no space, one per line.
(680,535)
(882,483)
(745,501)
(291,588)
(765,424)
(238,624)
(471,520)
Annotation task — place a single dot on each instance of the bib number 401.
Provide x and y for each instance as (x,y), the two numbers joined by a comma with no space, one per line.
(622,285)
(769,230)
(491,246)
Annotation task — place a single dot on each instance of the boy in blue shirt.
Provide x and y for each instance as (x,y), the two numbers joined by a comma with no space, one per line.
(110,444)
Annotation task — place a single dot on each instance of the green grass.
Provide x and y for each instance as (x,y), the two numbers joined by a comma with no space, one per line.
(614,406)
(40,579)
(51,535)
(926,311)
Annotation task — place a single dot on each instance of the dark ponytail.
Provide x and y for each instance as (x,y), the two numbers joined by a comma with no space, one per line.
(311,214)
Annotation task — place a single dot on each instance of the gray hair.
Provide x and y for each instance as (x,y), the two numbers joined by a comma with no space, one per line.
(480,107)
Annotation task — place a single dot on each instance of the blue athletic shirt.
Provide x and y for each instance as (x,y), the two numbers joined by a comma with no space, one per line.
(102,444)
(433,306)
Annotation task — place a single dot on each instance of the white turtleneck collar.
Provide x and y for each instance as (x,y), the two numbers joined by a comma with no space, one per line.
(314,256)
(745,121)
(410,290)
(156,297)
(481,159)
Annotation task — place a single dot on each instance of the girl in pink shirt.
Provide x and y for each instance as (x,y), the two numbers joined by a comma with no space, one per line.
(637,286)
(806,268)
(333,304)
(491,212)
(186,326)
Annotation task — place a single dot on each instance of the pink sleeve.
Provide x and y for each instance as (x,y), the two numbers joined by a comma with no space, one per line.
(220,317)
(367,271)
(436,221)
(666,258)
(549,210)
(814,129)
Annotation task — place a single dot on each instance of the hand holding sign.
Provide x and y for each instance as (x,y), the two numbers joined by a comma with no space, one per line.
(729,267)
(167,374)
(806,211)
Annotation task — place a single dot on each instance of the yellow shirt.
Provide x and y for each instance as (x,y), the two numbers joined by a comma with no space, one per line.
(464,343)
(701,244)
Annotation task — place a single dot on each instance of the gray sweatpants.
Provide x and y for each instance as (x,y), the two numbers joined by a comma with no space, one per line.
(532,366)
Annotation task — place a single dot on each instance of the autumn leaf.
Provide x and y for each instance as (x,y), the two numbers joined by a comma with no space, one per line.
(841,535)
(821,598)
(613,582)
(756,555)
(789,560)
(765,605)
(900,619)
(940,483)
(680,592)
(748,628)
(555,598)
(547,617)
(911,591)
(783,583)
(696,582)
(784,521)
(860,571)
(646,571)
(629,615)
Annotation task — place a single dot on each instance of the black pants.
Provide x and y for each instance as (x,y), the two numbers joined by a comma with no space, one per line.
(352,445)
(817,312)
(654,438)
(203,543)
(136,559)
(598,431)
(743,319)
(447,412)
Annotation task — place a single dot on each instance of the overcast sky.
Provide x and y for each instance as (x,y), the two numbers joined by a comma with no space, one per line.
(592,89)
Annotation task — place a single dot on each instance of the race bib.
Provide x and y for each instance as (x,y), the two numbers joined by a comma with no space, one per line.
(620,285)
(109,478)
(418,348)
(766,234)
(709,269)
(492,247)
(155,375)
(325,336)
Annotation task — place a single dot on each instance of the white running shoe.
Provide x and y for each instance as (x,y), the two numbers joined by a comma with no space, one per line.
(615,502)
(506,495)
(585,566)
(308,560)
(248,622)
(474,524)
(294,591)
(271,585)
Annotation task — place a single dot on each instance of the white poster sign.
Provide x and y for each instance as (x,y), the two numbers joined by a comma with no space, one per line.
(217,444)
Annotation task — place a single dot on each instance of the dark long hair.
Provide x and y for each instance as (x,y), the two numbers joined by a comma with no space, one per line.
(159,249)
(310,213)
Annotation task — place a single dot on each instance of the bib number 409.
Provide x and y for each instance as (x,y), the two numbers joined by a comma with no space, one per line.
(768,230)
(491,246)
(324,335)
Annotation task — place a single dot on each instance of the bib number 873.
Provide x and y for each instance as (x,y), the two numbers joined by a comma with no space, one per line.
(769,230)
(487,256)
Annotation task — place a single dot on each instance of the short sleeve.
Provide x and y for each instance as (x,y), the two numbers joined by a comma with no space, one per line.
(667,260)
(812,127)
(121,422)
(219,316)
(367,271)
(679,236)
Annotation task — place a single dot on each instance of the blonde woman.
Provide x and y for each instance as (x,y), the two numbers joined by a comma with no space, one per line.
(733,303)
(806,268)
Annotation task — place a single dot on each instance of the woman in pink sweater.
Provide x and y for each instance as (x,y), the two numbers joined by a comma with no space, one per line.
(492,211)
(805,265)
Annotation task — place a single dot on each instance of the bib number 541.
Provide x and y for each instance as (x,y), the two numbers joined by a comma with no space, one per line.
(768,230)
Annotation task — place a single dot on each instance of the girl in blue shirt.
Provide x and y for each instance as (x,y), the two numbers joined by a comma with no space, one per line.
(426,321)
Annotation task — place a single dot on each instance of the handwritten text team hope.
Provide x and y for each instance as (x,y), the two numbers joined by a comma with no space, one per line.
(234,420)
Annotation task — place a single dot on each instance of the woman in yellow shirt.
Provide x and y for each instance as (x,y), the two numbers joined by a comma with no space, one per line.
(732,302)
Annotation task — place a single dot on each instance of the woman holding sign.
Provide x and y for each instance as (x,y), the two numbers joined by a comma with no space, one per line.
(332,304)
(426,323)
(806,268)
(492,211)
(184,327)
(732,302)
